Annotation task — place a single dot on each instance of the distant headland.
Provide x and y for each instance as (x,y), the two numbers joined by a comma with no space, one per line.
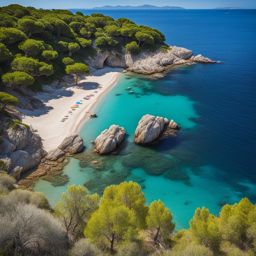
(145,7)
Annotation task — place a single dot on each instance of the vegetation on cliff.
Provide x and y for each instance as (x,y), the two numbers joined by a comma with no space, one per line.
(117,223)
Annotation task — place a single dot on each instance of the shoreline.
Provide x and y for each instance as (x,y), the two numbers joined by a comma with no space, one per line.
(48,122)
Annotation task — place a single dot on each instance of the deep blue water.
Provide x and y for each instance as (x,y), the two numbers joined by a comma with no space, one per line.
(212,161)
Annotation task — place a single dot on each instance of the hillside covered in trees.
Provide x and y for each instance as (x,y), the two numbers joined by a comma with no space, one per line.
(36,45)
(117,223)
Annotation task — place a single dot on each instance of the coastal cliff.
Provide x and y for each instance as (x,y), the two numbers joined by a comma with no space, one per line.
(147,62)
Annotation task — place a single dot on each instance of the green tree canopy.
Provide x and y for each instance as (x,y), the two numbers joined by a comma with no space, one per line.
(50,54)
(237,221)
(73,47)
(144,38)
(17,78)
(30,26)
(77,69)
(204,227)
(67,61)
(32,47)
(132,47)
(5,54)
(128,194)
(110,225)
(74,209)
(11,36)
(32,66)
(7,99)
(85,43)
(159,219)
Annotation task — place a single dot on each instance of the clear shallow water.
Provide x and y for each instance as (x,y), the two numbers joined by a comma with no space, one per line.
(212,160)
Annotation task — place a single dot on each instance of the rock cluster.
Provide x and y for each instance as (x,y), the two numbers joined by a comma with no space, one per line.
(150,128)
(20,149)
(109,139)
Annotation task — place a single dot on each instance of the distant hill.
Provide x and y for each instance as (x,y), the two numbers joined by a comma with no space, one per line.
(145,7)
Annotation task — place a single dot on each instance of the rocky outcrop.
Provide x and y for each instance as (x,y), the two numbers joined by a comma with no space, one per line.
(52,165)
(71,145)
(20,149)
(147,62)
(150,128)
(109,140)
(201,59)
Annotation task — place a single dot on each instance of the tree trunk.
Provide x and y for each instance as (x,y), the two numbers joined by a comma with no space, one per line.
(112,243)
(76,79)
(157,234)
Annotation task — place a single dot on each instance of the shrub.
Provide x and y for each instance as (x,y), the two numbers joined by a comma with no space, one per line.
(84,248)
(6,183)
(30,231)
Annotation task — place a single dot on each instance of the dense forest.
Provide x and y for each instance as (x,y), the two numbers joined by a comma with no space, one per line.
(36,44)
(117,223)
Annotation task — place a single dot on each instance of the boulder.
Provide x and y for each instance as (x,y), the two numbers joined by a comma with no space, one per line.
(55,154)
(109,140)
(72,145)
(21,149)
(149,129)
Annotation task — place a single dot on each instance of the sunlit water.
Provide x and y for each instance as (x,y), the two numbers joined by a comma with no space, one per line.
(212,160)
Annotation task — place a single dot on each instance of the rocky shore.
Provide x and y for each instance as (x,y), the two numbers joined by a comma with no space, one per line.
(21,149)
(148,62)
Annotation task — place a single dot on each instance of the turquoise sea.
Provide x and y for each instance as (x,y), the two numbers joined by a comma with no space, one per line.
(212,160)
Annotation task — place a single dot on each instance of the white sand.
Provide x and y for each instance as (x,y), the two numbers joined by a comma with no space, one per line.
(48,123)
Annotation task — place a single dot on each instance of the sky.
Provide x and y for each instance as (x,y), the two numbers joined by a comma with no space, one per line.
(191,4)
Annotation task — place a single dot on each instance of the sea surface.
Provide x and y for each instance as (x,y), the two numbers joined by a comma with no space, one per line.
(212,161)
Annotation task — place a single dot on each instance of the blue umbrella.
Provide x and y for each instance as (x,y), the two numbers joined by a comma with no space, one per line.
(78,102)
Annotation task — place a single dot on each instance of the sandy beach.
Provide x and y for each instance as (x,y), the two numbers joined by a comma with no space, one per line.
(58,120)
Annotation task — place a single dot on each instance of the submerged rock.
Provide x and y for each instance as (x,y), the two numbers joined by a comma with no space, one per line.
(201,59)
(109,140)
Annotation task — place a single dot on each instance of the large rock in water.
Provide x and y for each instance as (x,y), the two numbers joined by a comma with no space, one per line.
(149,129)
(109,139)
(73,144)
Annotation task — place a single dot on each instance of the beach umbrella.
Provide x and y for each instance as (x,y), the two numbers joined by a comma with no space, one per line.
(78,102)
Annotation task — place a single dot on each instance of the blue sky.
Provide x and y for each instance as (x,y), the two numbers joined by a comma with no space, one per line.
(92,3)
